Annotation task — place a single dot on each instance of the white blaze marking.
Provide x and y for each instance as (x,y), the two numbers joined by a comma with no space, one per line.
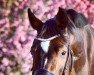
(46,42)
(45,45)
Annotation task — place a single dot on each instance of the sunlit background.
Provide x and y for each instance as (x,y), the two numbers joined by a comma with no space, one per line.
(16,34)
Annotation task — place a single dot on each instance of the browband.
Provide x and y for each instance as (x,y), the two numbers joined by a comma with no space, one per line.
(49,39)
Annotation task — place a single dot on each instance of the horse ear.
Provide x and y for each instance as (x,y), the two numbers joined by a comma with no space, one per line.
(62,18)
(35,22)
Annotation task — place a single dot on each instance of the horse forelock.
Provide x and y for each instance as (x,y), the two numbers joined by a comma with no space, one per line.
(49,29)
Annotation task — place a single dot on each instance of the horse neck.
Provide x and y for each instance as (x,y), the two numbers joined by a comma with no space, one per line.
(90,44)
(86,38)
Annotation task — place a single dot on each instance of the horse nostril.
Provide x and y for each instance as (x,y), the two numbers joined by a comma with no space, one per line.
(42,72)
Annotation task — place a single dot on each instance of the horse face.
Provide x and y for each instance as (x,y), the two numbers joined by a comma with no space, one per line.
(49,57)
(50,50)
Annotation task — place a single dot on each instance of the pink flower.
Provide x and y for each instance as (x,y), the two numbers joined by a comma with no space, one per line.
(5,62)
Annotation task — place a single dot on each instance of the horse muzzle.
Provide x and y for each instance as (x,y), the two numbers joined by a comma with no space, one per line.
(42,72)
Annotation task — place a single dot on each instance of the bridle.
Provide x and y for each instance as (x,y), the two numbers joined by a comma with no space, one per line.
(69,56)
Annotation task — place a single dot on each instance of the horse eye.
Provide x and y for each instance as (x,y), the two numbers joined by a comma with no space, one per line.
(64,52)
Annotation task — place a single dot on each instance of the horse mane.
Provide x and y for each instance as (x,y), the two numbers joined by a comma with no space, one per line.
(89,29)
(78,18)
(49,29)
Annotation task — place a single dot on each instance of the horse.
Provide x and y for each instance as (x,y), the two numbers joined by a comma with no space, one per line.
(64,44)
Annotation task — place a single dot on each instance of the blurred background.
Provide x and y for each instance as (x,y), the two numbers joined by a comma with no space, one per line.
(16,34)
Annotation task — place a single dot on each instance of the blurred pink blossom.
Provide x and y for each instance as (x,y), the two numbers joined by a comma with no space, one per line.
(5,62)
(17,35)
